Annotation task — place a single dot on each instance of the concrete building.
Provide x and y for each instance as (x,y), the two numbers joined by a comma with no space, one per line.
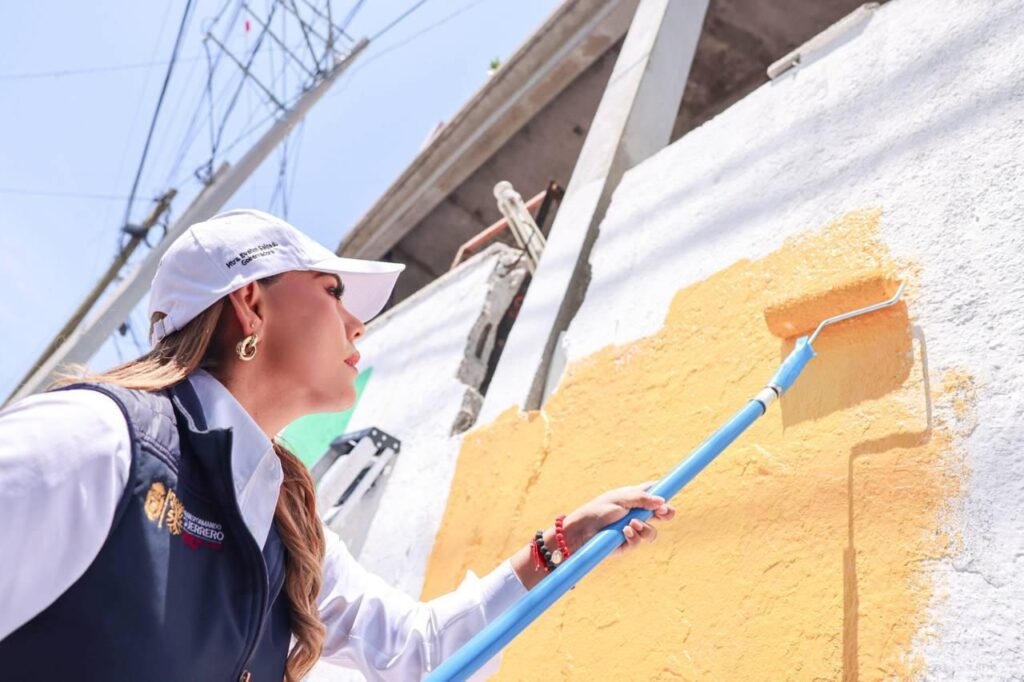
(528,123)
(871,527)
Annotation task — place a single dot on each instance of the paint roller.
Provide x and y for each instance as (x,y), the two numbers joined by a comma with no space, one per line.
(796,317)
(787,320)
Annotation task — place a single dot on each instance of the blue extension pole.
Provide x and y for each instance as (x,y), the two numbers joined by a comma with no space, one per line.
(503,629)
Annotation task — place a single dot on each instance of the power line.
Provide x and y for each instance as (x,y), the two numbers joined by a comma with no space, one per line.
(189,137)
(259,124)
(216,140)
(127,147)
(165,144)
(280,186)
(397,20)
(71,195)
(217,133)
(426,29)
(305,33)
(249,131)
(108,68)
(91,70)
(295,163)
(185,16)
(405,41)
(59,73)
(343,26)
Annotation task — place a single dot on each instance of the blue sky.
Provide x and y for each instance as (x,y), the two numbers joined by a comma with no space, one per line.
(83,133)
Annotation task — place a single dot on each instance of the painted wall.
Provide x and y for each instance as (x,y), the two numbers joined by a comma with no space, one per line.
(872,525)
(427,357)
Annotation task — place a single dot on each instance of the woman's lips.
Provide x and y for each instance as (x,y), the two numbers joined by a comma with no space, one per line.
(352,360)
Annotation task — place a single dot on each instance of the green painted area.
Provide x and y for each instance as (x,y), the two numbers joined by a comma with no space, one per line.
(309,437)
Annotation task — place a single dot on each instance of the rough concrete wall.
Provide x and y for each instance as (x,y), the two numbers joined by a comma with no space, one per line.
(426,357)
(872,527)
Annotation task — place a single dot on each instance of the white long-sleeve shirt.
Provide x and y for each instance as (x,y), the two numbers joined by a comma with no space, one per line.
(64,462)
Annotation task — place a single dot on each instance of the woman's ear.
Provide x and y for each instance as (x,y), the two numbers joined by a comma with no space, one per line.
(248,306)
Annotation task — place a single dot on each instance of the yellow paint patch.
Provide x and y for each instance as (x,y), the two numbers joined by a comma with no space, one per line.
(798,554)
(960,387)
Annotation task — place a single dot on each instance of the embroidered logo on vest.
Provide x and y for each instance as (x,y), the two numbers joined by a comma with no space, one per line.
(202,533)
(163,506)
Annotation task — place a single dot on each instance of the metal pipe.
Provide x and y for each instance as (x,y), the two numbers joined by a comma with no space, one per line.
(520,223)
(488,233)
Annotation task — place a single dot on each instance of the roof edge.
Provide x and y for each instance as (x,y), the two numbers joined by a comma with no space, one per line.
(575,35)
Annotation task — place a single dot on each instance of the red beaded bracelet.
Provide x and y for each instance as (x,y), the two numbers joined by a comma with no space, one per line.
(542,557)
(560,537)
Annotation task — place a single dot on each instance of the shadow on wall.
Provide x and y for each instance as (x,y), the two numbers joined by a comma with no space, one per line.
(894,441)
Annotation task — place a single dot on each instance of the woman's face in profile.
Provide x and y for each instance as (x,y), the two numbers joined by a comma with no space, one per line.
(309,340)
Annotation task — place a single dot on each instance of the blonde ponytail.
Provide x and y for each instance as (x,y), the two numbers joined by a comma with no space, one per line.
(303,536)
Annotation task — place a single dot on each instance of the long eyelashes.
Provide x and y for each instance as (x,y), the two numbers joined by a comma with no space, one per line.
(336,292)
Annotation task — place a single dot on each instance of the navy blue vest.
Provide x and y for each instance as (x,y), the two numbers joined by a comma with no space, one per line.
(179,590)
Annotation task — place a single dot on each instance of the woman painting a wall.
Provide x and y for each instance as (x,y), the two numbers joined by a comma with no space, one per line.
(155,528)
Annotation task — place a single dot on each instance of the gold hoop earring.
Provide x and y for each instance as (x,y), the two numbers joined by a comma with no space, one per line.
(246,348)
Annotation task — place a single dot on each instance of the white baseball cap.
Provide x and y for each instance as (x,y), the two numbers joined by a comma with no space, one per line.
(217,256)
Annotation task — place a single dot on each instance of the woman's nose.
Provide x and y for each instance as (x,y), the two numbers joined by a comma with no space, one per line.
(354,327)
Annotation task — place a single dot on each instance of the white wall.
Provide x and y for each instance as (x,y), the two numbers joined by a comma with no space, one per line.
(424,359)
(921,114)
(422,353)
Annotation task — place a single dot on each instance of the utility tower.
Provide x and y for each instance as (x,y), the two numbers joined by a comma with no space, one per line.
(319,53)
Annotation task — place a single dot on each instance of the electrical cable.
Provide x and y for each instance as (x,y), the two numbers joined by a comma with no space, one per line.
(305,34)
(165,142)
(282,170)
(204,170)
(112,68)
(397,20)
(192,131)
(343,26)
(241,83)
(405,41)
(108,215)
(70,195)
(290,189)
(186,15)
(248,131)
